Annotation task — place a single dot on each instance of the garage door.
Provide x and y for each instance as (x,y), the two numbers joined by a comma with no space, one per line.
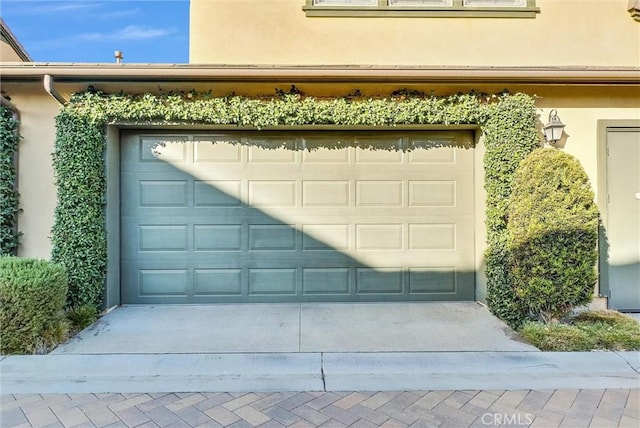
(262,217)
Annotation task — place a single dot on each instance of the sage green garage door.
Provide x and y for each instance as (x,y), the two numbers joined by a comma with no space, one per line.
(260,217)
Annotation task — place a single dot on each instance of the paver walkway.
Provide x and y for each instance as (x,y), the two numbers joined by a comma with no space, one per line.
(535,408)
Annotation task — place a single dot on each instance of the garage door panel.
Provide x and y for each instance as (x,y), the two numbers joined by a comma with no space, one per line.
(275,150)
(427,152)
(217,193)
(444,283)
(163,282)
(380,193)
(270,193)
(433,280)
(164,238)
(296,218)
(326,281)
(440,236)
(164,235)
(369,156)
(432,193)
(326,237)
(218,282)
(163,193)
(380,281)
(317,152)
(217,237)
(155,281)
(326,193)
(440,150)
(151,153)
(272,237)
(218,150)
(270,281)
(381,237)
(160,150)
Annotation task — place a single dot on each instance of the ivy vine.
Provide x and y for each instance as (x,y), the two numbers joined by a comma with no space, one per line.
(9,196)
(508,123)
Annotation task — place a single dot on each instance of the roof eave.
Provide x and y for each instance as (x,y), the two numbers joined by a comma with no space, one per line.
(239,73)
(12,40)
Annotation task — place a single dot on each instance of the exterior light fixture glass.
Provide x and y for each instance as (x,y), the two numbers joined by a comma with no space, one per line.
(553,129)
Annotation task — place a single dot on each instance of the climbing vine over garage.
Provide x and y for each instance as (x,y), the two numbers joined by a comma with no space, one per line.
(508,123)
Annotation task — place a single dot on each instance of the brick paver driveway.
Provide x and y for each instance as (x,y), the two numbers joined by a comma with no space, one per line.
(553,408)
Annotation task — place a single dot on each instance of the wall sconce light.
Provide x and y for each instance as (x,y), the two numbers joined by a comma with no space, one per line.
(553,129)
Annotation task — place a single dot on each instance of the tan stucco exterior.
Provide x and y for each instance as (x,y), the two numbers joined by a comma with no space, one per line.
(7,53)
(565,32)
(35,172)
(558,56)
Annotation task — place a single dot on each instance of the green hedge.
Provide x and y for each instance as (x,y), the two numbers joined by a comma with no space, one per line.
(552,234)
(9,198)
(32,298)
(508,123)
(510,135)
(79,234)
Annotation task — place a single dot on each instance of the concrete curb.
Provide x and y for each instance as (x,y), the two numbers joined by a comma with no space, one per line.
(391,371)
(160,373)
(480,371)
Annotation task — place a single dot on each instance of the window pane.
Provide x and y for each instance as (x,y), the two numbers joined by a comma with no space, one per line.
(495,3)
(345,2)
(420,2)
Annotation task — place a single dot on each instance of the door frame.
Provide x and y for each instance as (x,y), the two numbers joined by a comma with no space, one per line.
(603,288)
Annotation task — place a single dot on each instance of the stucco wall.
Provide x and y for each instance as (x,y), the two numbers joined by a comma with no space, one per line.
(580,109)
(7,53)
(565,32)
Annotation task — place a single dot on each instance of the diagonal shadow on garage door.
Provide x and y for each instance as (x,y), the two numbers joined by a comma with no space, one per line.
(296,217)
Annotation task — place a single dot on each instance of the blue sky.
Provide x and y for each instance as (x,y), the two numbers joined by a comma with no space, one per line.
(146,31)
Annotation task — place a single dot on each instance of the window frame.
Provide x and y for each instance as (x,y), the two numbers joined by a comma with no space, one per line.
(456,10)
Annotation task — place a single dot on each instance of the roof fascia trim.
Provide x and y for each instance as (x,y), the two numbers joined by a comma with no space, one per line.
(12,41)
(186,73)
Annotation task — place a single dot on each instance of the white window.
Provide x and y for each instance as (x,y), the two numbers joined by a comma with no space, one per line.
(495,3)
(420,2)
(465,3)
(345,2)
(422,8)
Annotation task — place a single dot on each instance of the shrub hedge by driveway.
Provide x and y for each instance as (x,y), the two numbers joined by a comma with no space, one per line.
(32,298)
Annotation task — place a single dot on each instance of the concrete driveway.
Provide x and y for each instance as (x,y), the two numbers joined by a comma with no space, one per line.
(297,328)
(308,347)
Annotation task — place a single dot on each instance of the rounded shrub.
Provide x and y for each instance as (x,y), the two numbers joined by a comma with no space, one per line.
(32,298)
(552,234)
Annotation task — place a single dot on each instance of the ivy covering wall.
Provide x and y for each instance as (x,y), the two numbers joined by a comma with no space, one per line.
(9,197)
(508,123)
